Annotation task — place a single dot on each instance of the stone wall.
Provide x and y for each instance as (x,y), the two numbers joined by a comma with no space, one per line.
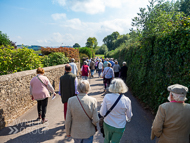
(15,97)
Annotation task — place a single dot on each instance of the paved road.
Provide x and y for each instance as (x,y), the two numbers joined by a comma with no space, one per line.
(27,129)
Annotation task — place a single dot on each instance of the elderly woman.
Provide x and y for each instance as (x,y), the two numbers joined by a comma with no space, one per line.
(82,115)
(123,72)
(171,124)
(108,75)
(116,69)
(39,90)
(115,121)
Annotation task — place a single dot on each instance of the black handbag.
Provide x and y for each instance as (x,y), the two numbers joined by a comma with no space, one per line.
(101,121)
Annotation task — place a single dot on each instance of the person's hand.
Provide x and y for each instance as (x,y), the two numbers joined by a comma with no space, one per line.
(32,97)
(68,135)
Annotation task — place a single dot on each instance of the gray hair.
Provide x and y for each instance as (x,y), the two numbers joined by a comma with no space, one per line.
(83,86)
(124,63)
(118,86)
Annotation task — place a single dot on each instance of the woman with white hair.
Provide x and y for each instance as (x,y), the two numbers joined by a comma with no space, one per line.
(82,115)
(115,121)
(171,124)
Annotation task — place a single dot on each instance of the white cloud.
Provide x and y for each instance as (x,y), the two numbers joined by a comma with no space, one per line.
(18,37)
(61,2)
(58,16)
(90,6)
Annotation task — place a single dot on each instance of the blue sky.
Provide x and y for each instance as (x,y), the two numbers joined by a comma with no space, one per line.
(65,22)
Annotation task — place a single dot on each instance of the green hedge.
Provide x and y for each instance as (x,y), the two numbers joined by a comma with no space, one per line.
(88,51)
(12,60)
(16,60)
(53,59)
(154,63)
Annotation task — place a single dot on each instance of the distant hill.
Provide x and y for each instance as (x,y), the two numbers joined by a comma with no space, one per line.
(37,47)
(34,47)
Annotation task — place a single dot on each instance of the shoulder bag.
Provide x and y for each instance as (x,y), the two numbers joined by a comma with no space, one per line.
(101,121)
(44,85)
(87,114)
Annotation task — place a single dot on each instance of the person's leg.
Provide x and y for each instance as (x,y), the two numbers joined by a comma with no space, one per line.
(105,82)
(88,140)
(65,110)
(39,107)
(44,107)
(108,133)
(92,73)
(117,134)
(99,72)
(108,82)
(77,140)
(116,74)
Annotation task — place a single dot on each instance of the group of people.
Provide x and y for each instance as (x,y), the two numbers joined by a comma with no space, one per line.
(108,69)
(171,124)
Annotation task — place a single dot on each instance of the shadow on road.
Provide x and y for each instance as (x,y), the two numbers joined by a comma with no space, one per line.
(18,126)
(42,134)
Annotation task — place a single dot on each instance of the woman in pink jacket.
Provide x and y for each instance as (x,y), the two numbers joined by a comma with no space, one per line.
(39,90)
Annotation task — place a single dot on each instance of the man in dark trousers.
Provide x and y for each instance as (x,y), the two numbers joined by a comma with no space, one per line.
(67,86)
(123,72)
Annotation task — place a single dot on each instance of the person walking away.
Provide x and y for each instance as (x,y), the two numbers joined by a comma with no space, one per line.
(92,67)
(112,63)
(100,67)
(171,124)
(73,67)
(82,115)
(116,69)
(85,71)
(96,65)
(115,122)
(123,72)
(68,86)
(108,75)
(105,63)
(39,90)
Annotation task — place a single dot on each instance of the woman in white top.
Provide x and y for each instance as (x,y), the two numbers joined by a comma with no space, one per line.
(115,121)
(100,67)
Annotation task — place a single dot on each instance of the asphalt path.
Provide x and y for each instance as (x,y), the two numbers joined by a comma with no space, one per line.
(27,129)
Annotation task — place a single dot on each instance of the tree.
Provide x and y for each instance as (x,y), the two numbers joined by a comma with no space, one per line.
(4,39)
(103,49)
(109,40)
(185,7)
(76,45)
(120,40)
(91,42)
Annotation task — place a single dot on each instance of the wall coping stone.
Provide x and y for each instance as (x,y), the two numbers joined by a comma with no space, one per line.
(27,72)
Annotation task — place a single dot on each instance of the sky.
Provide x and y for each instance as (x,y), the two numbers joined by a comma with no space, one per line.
(66,22)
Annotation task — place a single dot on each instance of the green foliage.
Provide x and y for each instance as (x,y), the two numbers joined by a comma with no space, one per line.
(55,58)
(76,45)
(162,55)
(109,40)
(88,51)
(12,60)
(91,42)
(103,49)
(185,6)
(4,39)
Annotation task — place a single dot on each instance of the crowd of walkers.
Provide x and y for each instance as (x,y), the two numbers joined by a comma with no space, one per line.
(171,124)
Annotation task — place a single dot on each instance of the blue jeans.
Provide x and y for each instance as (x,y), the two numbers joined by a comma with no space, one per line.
(89,140)
(85,77)
(92,72)
(99,72)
